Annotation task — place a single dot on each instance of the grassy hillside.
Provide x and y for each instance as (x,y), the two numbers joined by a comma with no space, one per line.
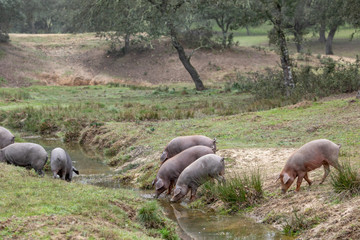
(41,208)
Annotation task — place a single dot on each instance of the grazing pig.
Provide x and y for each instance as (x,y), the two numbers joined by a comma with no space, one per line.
(29,155)
(179,144)
(171,169)
(6,138)
(197,173)
(312,155)
(61,164)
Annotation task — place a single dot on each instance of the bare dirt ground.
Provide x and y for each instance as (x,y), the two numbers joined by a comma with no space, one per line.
(67,59)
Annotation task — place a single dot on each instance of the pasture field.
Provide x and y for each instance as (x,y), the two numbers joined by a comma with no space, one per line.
(70,89)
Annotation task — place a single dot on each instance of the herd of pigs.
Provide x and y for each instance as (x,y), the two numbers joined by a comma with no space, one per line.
(186,162)
(32,155)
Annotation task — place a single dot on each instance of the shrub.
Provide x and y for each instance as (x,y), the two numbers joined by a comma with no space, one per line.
(198,37)
(346,180)
(310,82)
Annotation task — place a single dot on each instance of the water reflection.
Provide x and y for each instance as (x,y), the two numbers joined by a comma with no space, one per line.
(200,225)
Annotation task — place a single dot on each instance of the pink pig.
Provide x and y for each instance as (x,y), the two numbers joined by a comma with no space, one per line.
(310,156)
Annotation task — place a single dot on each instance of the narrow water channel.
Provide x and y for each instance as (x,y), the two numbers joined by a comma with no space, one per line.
(193,224)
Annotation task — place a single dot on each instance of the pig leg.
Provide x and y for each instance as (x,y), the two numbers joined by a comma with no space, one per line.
(220,179)
(193,193)
(299,180)
(40,172)
(170,188)
(327,171)
(307,179)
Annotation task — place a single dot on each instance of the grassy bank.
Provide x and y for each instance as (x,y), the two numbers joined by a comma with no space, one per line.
(43,208)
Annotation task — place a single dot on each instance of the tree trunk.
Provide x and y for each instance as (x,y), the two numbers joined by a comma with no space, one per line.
(329,40)
(186,61)
(284,52)
(247,30)
(285,62)
(126,47)
(298,42)
(322,38)
(224,40)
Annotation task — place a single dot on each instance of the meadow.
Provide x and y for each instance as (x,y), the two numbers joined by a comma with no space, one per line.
(130,124)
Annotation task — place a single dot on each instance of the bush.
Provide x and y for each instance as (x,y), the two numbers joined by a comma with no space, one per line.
(310,82)
(199,37)
(346,180)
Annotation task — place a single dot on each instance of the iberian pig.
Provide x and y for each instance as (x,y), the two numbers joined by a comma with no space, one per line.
(6,137)
(170,170)
(61,164)
(29,155)
(179,144)
(312,155)
(197,173)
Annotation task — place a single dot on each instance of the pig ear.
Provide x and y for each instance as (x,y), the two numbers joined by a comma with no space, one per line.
(177,191)
(163,156)
(278,177)
(222,160)
(159,184)
(286,178)
(154,181)
(214,140)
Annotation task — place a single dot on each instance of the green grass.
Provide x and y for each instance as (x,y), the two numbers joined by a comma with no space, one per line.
(238,192)
(342,44)
(346,181)
(33,207)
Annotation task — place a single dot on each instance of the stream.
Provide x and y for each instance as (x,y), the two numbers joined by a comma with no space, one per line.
(193,224)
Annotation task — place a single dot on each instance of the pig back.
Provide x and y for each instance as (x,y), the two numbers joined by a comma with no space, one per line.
(172,168)
(179,144)
(25,154)
(313,153)
(200,170)
(6,137)
(58,159)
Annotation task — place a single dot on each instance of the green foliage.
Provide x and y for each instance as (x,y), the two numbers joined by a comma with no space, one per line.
(11,95)
(149,215)
(310,82)
(347,180)
(168,234)
(298,223)
(238,192)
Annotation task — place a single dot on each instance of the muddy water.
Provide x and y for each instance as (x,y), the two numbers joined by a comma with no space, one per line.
(193,224)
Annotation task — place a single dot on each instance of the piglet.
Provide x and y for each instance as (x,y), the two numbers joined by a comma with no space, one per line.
(312,155)
(197,173)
